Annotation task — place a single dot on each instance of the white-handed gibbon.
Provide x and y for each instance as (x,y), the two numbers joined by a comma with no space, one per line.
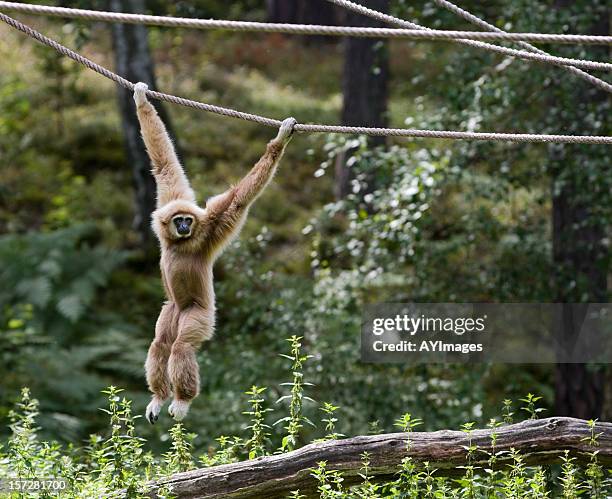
(191,238)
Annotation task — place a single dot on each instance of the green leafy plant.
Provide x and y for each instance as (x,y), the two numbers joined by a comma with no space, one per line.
(329,482)
(117,465)
(530,406)
(259,433)
(295,418)
(407,424)
(330,421)
(507,411)
(179,457)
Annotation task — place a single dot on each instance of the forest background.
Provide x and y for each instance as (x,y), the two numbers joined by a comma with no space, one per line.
(347,221)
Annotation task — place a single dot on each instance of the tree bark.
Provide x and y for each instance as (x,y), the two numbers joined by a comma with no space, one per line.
(133,61)
(280,11)
(302,12)
(539,441)
(580,257)
(364,87)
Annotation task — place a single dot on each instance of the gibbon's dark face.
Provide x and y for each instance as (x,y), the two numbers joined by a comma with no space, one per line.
(182,224)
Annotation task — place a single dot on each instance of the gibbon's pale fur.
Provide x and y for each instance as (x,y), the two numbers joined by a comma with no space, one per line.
(191,238)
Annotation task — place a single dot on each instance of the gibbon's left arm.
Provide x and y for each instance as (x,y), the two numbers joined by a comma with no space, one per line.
(228,208)
(252,185)
(172,183)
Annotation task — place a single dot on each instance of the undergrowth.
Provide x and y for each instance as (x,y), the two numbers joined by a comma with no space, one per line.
(118,464)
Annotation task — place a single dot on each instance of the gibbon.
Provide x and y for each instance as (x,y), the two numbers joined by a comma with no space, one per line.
(191,238)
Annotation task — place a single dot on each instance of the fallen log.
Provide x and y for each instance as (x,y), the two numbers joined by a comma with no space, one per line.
(540,441)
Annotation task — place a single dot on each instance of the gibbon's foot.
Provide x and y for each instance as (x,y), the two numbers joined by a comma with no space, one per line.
(153,410)
(178,409)
(286,130)
(140,93)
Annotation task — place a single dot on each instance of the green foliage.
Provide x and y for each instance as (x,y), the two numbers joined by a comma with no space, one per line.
(227,452)
(256,444)
(295,418)
(426,221)
(530,405)
(569,477)
(53,282)
(120,456)
(117,464)
(481,92)
(58,273)
(329,482)
(208,9)
(22,450)
(507,411)
(179,457)
(330,421)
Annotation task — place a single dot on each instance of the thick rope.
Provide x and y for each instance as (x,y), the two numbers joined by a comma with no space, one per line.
(522,54)
(300,29)
(490,27)
(398,132)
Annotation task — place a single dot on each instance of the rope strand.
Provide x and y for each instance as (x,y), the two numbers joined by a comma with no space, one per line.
(490,27)
(299,29)
(314,128)
(522,54)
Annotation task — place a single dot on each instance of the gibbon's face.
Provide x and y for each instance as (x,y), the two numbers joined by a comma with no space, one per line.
(182,225)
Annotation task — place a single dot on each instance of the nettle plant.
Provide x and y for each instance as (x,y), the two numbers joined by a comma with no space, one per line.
(118,465)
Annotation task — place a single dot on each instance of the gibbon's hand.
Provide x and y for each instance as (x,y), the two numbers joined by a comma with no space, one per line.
(286,130)
(140,93)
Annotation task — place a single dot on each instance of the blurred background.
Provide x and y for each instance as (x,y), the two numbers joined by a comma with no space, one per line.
(347,221)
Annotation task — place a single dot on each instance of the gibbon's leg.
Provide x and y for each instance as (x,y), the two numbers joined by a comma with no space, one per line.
(156,365)
(195,325)
(172,183)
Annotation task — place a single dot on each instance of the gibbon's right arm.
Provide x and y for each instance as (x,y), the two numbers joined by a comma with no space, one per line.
(172,183)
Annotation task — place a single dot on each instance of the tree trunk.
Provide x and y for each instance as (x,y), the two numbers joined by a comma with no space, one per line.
(133,61)
(579,250)
(580,257)
(540,441)
(302,12)
(281,11)
(364,87)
